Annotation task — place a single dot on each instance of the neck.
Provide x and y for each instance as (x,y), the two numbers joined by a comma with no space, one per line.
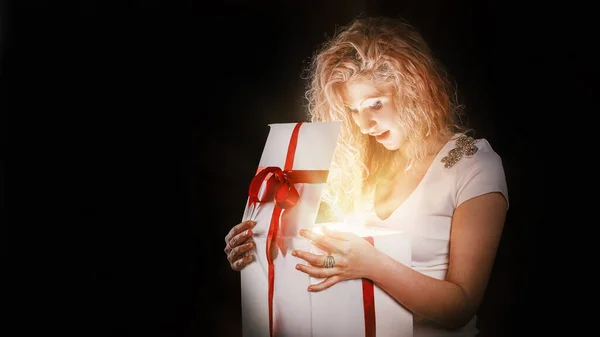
(432,147)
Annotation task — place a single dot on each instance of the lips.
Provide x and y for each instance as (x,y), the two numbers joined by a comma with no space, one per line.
(382,136)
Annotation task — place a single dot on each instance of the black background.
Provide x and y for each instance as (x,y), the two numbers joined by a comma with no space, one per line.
(144,122)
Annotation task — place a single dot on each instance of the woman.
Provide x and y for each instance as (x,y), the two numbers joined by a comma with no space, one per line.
(403,158)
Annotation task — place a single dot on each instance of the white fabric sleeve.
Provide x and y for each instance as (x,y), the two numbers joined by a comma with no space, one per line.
(482,173)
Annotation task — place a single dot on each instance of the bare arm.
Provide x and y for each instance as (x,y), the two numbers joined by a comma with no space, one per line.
(477,226)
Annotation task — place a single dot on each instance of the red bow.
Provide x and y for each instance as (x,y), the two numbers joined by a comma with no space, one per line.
(279,187)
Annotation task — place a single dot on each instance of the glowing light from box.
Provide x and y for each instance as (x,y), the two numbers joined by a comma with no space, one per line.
(354,223)
(352,219)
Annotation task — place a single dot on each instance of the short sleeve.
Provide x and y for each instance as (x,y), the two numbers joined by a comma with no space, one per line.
(480,174)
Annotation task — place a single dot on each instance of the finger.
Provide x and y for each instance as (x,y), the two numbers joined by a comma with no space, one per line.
(241,263)
(235,230)
(228,248)
(346,236)
(318,272)
(236,252)
(325,284)
(322,241)
(240,238)
(314,259)
(250,252)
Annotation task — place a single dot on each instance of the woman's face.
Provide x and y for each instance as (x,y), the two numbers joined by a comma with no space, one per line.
(373,110)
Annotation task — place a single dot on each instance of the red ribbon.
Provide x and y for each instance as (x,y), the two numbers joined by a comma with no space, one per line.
(280,188)
(369,302)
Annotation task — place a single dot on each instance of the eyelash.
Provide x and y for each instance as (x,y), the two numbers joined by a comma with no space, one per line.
(377,105)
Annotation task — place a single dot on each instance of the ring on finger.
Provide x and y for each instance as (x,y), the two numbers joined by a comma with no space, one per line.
(329,262)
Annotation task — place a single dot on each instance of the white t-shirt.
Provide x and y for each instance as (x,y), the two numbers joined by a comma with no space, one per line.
(426,214)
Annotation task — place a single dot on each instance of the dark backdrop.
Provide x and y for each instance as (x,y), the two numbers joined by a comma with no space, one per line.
(145,120)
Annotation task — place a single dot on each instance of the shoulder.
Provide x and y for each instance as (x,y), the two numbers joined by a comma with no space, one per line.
(476,167)
(464,152)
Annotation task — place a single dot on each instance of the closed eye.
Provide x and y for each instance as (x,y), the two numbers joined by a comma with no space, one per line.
(377,105)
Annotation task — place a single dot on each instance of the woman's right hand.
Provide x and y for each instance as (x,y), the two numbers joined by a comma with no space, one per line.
(238,243)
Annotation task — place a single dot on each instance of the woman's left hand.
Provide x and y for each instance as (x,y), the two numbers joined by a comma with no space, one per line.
(353,256)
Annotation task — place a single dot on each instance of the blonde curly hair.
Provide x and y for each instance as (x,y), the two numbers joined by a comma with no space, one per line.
(391,51)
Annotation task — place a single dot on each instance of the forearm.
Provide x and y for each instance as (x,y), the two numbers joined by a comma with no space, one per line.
(437,300)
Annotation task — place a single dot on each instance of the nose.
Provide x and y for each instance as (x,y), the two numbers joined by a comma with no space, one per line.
(365,121)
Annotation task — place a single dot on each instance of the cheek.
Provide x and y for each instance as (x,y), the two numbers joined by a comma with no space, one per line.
(401,139)
(388,115)
(399,136)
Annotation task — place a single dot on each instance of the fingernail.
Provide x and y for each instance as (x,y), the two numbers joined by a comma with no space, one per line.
(310,289)
(294,253)
(298,266)
(252,223)
(248,232)
(302,232)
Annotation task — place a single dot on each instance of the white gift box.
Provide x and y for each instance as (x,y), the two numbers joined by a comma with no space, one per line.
(349,308)
(357,308)
(298,147)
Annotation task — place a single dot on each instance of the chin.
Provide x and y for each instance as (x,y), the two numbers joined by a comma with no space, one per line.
(393,145)
(393,142)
